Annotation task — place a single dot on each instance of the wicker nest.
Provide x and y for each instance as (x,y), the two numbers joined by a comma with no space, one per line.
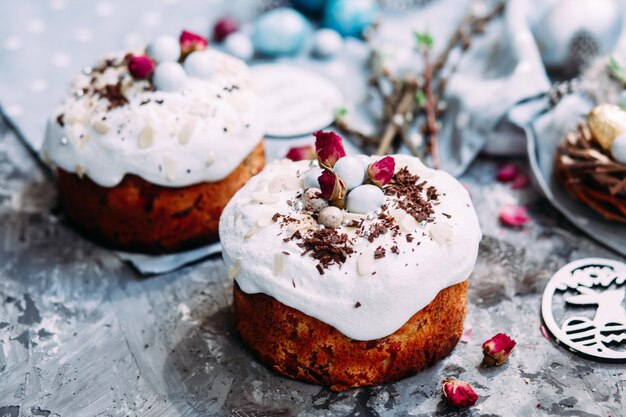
(590,174)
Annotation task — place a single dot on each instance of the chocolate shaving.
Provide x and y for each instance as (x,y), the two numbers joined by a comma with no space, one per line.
(409,195)
(379,253)
(327,246)
(357,305)
(60,120)
(112,93)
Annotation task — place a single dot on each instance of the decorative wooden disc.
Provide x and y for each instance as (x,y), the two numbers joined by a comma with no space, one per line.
(583,307)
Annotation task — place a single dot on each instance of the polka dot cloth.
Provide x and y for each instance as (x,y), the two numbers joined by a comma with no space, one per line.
(45,44)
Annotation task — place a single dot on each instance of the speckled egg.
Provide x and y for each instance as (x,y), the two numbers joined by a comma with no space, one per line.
(169,76)
(326,43)
(310,179)
(618,149)
(164,48)
(198,64)
(350,17)
(351,170)
(239,45)
(330,217)
(313,200)
(365,199)
(280,31)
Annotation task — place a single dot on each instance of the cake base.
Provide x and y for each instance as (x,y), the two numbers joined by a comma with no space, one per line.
(139,216)
(301,347)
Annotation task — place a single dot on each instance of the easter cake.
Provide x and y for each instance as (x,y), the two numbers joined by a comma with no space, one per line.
(150,145)
(590,162)
(350,270)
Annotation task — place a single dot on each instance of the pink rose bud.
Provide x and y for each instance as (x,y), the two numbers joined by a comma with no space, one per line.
(459,393)
(497,349)
(381,171)
(190,42)
(300,153)
(224,27)
(140,67)
(514,216)
(333,188)
(507,173)
(521,181)
(329,148)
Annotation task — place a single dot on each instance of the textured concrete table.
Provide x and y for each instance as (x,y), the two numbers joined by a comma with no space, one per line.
(82,335)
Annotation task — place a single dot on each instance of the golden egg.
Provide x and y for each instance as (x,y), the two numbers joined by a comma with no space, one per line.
(606,122)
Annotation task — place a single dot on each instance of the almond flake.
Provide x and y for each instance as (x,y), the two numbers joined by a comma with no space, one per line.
(210,159)
(408,224)
(265,219)
(234,269)
(169,166)
(251,231)
(101,127)
(184,135)
(80,171)
(146,137)
(265,198)
(82,142)
(441,233)
(279,263)
(365,263)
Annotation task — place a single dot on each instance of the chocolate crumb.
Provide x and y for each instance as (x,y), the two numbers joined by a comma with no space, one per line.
(394,249)
(60,120)
(379,252)
(293,283)
(409,238)
(447,215)
(357,305)
(286,253)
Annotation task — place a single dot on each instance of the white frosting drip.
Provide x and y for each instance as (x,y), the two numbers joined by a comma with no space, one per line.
(199,134)
(443,253)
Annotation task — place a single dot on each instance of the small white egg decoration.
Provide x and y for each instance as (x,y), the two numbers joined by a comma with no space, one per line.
(239,45)
(331,217)
(310,179)
(351,170)
(327,42)
(365,199)
(199,65)
(164,48)
(618,149)
(169,76)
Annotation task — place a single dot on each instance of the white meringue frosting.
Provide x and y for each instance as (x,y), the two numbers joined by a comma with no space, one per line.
(199,134)
(386,279)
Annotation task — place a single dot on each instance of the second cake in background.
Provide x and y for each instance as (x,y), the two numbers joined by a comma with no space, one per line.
(150,145)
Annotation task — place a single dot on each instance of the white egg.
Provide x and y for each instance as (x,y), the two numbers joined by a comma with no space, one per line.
(365,199)
(310,179)
(366,160)
(327,42)
(165,48)
(198,64)
(239,45)
(618,149)
(351,170)
(169,76)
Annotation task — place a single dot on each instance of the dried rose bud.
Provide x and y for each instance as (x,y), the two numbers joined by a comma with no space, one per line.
(333,188)
(507,173)
(300,153)
(497,349)
(381,171)
(190,42)
(514,216)
(224,27)
(459,393)
(329,148)
(521,181)
(140,67)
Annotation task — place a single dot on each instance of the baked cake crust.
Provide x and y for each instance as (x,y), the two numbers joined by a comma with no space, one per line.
(301,347)
(139,216)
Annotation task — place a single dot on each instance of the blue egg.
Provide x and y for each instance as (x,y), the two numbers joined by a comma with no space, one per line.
(350,17)
(164,48)
(365,199)
(169,76)
(351,170)
(310,179)
(199,65)
(313,7)
(281,31)
(326,43)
